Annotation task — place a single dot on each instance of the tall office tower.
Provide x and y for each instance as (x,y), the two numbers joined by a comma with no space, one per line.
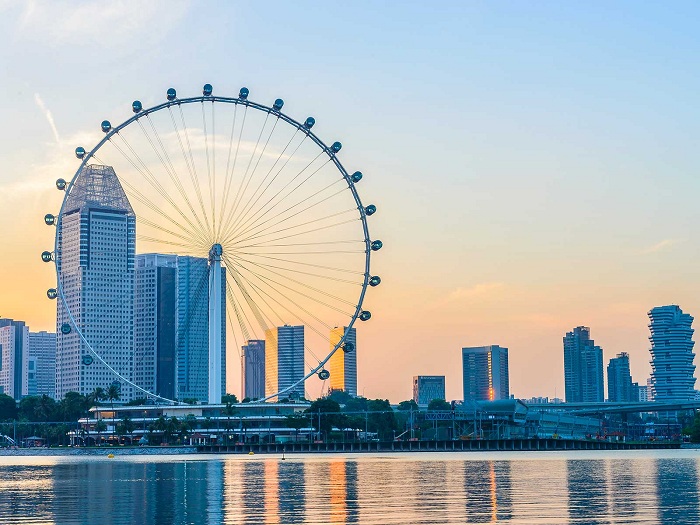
(620,386)
(427,388)
(171,326)
(343,365)
(14,358)
(253,369)
(41,373)
(193,328)
(672,376)
(155,322)
(95,260)
(485,373)
(284,360)
(642,393)
(583,367)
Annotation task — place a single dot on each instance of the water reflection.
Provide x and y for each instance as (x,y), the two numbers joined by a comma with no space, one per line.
(416,489)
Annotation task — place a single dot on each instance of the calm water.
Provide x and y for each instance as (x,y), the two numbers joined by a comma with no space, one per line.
(583,488)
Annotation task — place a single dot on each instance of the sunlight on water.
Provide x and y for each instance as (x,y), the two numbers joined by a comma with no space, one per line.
(519,488)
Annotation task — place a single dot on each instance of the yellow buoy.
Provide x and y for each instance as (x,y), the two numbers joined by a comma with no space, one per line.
(251,453)
(110,455)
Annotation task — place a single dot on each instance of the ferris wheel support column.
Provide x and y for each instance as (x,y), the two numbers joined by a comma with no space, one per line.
(215,324)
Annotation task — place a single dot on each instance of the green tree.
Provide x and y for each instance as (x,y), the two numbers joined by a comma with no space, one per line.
(297,422)
(172,429)
(439,404)
(340,396)
(113,394)
(227,399)
(72,406)
(128,426)
(100,427)
(328,412)
(381,418)
(8,408)
(407,406)
(693,430)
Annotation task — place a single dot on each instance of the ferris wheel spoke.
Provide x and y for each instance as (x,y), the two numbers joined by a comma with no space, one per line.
(230,174)
(169,167)
(192,242)
(286,269)
(257,194)
(296,234)
(193,173)
(151,179)
(251,304)
(212,183)
(252,229)
(243,321)
(313,265)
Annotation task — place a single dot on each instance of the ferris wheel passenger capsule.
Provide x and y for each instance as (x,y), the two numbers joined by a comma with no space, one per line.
(377,245)
(375,280)
(335,148)
(243,93)
(365,315)
(348,347)
(80,152)
(278,104)
(171,94)
(65,329)
(46,256)
(51,293)
(106,126)
(309,122)
(324,374)
(61,184)
(371,209)
(136,106)
(49,219)
(357,176)
(207,90)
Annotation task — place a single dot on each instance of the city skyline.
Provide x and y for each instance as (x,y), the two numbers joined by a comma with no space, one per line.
(621,146)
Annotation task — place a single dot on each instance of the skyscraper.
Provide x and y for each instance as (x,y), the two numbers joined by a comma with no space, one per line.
(253,369)
(620,386)
(485,373)
(171,324)
(42,353)
(284,360)
(14,358)
(343,365)
(427,388)
(95,261)
(583,367)
(672,376)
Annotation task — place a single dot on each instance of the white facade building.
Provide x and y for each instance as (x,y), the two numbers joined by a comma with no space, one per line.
(41,370)
(14,358)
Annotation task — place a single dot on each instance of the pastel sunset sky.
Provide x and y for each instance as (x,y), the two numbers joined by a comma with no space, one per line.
(535,165)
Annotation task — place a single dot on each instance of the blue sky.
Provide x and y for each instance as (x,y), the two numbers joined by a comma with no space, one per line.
(535,163)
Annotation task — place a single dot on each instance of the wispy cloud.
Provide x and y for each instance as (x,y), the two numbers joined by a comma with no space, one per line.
(48,115)
(660,246)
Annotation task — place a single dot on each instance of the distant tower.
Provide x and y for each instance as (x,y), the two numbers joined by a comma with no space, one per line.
(583,367)
(427,388)
(42,352)
(620,386)
(284,360)
(343,364)
(672,377)
(253,370)
(14,358)
(485,373)
(95,261)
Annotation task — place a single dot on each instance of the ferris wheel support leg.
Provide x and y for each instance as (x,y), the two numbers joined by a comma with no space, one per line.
(215,323)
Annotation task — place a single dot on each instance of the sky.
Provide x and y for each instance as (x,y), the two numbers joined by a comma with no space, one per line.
(534,164)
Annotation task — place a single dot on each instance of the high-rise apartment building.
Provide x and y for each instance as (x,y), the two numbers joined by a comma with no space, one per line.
(485,373)
(427,388)
(672,376)
(41,370)
(95,260)
(620,386)
(583,367)
(343,365)
(171,326)
(284,360)
(14,358)
(253,369)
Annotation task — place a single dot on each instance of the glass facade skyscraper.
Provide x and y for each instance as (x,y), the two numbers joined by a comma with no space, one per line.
(253,369)
(485,373)
(14,358)
(672,376)
(95,260)
(284,360)
(42,353)
(427,388)
(583,367)
(620,386)
(343,365)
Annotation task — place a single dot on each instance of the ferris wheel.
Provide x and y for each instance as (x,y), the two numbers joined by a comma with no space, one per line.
(246,209)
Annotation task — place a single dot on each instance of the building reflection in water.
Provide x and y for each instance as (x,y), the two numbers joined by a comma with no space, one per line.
(677,486)
(588,489)
(487,487)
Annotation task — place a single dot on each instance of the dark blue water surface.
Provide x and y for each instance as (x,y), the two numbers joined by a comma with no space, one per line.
(623,487)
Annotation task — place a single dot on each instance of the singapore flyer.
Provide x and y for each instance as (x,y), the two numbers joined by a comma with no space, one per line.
(196,228)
